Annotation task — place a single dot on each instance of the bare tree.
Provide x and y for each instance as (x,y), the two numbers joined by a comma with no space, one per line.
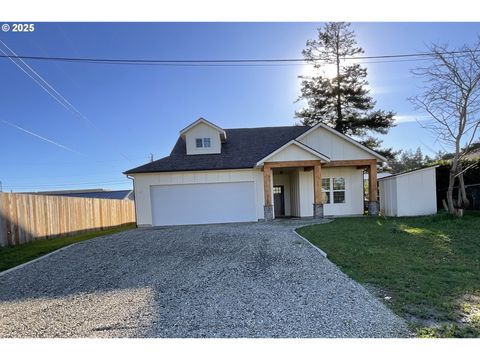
(451,97)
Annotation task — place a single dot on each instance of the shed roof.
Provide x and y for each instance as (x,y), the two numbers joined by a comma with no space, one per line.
(407,172)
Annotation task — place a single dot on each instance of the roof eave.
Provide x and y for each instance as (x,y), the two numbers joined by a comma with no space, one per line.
(223,134)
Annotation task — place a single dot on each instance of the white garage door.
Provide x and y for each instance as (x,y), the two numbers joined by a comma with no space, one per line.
(203,203)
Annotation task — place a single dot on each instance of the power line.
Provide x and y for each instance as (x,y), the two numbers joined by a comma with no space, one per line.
(40,137)
(43,83)
(47,87)
(212,62)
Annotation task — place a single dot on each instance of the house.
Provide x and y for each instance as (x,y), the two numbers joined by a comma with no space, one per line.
(216,175)
(92,193)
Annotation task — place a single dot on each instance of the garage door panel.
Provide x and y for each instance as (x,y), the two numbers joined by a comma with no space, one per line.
(203,203)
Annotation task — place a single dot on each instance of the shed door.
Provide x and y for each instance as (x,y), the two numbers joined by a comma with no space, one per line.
(203,203)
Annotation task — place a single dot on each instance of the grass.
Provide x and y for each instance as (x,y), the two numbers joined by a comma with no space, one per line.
(427,269)
(12,256)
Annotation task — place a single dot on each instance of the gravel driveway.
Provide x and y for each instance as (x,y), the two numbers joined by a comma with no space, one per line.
(232,280)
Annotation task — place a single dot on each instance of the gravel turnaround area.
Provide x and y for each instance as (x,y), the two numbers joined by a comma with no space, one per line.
(227,280)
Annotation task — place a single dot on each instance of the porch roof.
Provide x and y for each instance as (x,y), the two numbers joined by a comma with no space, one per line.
(293,151)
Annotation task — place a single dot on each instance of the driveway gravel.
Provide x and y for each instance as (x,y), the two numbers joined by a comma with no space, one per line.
(227,280)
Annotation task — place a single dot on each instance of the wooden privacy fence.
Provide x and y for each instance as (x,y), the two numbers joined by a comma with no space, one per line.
(25,217)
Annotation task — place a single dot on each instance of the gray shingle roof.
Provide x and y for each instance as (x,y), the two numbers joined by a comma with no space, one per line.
(105,194)
(243,149)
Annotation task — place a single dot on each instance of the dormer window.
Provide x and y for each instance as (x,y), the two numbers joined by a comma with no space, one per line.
(203,142)
(203,137)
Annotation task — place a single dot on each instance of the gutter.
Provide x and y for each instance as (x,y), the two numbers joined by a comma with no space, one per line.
(134,198)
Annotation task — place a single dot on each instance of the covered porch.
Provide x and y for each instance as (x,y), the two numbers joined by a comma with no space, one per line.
(317,188)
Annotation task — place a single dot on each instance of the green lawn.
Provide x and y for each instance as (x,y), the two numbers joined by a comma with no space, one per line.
(427,269)
(11,256)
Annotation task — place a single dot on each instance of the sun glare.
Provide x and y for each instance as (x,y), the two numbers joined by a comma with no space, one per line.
(327,70)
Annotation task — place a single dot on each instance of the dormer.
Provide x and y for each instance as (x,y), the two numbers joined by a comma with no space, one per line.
(203,137)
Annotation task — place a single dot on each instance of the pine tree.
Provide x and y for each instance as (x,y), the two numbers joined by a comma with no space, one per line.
(343,101)
(409,160)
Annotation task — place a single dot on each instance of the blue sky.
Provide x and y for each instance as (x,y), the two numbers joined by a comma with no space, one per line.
(138,110)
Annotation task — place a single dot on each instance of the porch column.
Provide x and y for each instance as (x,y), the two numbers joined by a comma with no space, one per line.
(317,192)
(267,191)
(373,204)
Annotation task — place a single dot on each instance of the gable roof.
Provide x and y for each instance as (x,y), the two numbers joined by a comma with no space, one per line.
(344,137)
(244,148)
(223,135)
(301,146)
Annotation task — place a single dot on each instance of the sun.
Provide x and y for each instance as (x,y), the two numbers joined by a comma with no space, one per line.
(328,70)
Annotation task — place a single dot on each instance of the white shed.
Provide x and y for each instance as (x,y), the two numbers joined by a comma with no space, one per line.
(411,193)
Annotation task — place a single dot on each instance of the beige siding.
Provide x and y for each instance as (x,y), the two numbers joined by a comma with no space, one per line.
(292,153)
(143,183)
(295,193)
(334,146)
(388,197)
(202,130)
(416,193)
(409,194)
(353,192)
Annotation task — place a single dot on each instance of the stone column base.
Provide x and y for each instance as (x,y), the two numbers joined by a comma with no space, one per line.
(318,211)
(373,208)
(268,212)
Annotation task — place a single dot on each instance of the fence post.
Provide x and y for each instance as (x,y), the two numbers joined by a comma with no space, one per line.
(3,225)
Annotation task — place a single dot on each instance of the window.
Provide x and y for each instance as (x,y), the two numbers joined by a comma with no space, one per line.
(277,189)
(338,190)
(203,143)
(333,189)
(326,190)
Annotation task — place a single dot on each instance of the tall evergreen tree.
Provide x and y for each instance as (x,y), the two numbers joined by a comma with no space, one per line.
(343,101)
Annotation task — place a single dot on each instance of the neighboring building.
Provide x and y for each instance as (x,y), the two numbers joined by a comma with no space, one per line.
(411,193)
(92,193)
(216,175)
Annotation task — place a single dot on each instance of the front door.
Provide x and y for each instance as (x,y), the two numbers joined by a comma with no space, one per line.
(279,200)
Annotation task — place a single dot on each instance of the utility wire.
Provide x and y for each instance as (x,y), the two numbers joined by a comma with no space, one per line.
(40,137)
(22,65)
(171,62)
(43,83)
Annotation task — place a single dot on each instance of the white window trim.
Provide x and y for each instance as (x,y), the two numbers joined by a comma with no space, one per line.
(331,191)
(201,143)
